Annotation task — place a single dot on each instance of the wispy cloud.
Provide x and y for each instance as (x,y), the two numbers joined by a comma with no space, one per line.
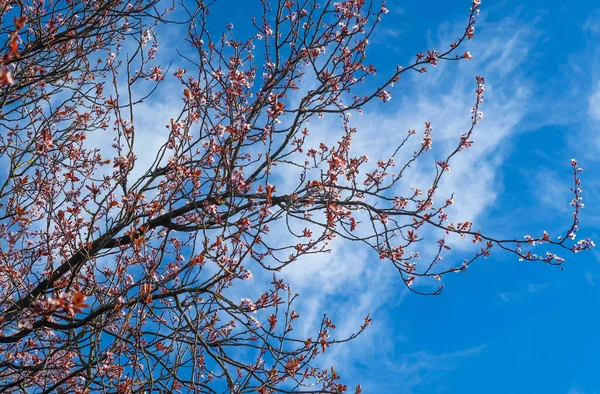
(522,293)
(414,371)
(591,278)
(575,390)
(351,281)
(594,103)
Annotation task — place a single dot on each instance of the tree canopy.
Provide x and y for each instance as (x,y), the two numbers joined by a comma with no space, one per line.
(119,274)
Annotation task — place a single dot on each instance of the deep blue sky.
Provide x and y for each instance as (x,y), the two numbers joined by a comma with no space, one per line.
(504,326)
(508,326)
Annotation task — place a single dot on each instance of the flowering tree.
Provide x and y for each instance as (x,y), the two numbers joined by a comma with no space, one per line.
(118,278)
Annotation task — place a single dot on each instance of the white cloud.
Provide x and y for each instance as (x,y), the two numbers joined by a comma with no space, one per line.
(351,282)
(523,293)
(594,103)
(591,23)
(591,278)
(412,371)
(551,191)
(575,390)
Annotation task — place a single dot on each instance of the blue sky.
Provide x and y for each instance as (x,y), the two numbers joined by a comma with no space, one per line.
(504,326)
